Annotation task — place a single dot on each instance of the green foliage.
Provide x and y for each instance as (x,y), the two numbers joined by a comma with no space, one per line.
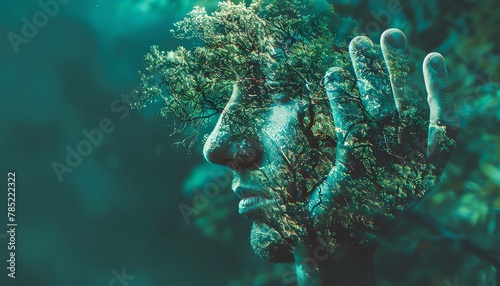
(467,205)
(266,47)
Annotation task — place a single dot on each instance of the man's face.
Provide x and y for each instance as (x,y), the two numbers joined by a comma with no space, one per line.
(280,147)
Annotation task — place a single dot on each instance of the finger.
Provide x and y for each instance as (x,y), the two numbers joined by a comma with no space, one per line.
(372,78)
(347,113)
(345,102)
(439,96)
(351,123)
(406,81)
(444,125)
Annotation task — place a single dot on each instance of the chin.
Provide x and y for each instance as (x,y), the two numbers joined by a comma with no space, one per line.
(269,245)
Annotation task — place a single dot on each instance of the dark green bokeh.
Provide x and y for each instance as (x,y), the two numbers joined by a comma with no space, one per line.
(119,207)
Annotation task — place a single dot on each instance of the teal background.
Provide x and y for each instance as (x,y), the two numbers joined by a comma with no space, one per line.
(119,207)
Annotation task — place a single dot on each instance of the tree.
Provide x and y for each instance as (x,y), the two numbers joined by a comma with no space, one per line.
(193,84)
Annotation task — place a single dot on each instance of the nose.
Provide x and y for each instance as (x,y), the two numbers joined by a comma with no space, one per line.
(229,145)
(235,151)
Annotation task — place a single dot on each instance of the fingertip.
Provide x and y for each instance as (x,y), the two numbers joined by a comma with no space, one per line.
(438,91)
(435,74)
(334,78)
(360,39)
(359,43)
(390,31)
(394,38)
(435,62)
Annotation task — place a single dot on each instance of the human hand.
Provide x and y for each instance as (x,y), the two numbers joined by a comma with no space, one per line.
(392,145)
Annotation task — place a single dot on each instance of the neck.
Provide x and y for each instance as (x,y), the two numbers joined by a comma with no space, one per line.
(346,265)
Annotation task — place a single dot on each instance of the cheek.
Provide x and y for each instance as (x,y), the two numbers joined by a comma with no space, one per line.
(281,144)
(290,152)
(280,128)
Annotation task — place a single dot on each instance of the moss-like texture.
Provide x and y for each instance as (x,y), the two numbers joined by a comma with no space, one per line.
(342,174)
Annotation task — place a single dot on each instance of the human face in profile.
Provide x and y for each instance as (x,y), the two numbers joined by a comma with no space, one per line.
(342,167)
(280,146)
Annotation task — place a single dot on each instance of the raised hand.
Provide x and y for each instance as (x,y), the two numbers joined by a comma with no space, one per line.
(392,143)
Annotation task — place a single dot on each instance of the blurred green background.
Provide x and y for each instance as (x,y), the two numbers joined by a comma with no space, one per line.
(118,209)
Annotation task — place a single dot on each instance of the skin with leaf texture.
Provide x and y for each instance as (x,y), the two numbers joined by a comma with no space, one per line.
(323,183)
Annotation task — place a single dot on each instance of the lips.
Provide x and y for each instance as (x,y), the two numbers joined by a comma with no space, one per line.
(251,207)
(252,202)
